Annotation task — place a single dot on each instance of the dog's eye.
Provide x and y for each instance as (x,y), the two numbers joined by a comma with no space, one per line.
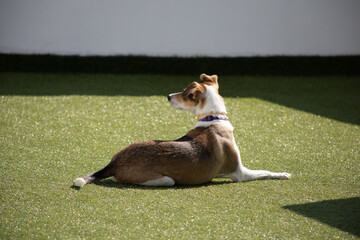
(191,96)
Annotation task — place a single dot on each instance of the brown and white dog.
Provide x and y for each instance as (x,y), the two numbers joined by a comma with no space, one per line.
(202,154)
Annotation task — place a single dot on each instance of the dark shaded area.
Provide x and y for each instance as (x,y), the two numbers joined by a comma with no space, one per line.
(274,65)
(343,214)
(332,97)
(110,184)
(91,84)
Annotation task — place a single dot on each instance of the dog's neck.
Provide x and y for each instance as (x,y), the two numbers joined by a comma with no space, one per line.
(214,106)
(224,123)
(213,103)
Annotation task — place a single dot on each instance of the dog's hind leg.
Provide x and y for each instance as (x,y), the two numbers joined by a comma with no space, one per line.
(160,182)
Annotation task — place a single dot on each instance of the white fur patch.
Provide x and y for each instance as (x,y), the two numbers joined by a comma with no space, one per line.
(214,103)
(160,182)
(79,182)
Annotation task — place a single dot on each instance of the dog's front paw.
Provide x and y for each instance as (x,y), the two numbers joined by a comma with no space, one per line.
(285,176)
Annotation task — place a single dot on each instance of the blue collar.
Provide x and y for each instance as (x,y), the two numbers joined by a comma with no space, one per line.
(212,118)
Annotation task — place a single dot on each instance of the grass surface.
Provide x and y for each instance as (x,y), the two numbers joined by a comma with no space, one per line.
(55,128)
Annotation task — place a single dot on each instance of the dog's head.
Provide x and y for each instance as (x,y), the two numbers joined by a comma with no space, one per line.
(199,97)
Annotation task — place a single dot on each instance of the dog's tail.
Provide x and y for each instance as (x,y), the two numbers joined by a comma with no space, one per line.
(101,174)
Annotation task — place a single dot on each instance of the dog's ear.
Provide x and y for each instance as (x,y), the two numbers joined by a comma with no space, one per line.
(195,95)
(213,79)
(194,91)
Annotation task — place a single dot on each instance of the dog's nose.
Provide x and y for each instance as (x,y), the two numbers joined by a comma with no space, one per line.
(169,98)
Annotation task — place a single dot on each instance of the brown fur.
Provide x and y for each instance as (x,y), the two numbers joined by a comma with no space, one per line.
(192,94)
(198,157)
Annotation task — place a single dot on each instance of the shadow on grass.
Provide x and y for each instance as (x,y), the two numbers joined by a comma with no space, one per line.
(332,97)
(343,214)
(110,184)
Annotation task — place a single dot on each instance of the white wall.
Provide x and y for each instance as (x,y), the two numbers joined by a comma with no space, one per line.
(181,27)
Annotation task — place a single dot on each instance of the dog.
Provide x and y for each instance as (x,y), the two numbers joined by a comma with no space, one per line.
(206,152)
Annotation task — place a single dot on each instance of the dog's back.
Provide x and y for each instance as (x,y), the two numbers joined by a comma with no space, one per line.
(195,158)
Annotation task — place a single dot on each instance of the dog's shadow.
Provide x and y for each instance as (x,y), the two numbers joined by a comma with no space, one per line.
(111,184)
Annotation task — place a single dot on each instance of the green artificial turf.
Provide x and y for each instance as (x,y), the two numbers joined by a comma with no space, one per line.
(57,127)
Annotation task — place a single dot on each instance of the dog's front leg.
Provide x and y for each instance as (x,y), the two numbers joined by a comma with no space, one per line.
(242,174)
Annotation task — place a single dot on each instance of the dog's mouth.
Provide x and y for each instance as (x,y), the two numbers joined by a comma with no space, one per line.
(172,102)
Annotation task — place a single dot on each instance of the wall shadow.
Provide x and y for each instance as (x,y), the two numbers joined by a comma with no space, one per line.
(332,97)
(343,214)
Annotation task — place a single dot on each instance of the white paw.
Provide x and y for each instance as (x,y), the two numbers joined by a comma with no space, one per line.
(79,182)
(285,176)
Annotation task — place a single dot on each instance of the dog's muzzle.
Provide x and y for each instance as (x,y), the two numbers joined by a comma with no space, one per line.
(171,96)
